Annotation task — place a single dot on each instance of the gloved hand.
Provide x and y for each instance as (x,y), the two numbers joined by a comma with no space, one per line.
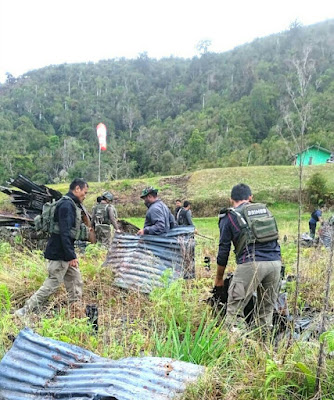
(219,296)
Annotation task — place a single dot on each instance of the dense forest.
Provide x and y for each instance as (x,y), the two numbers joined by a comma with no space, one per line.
(171,115)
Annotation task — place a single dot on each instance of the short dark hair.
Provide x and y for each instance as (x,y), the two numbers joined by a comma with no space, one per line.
(78,182)
(178,200)
(240,192)
(99,199)
(186,203)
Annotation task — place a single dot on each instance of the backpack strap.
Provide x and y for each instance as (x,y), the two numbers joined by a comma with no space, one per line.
(75,231)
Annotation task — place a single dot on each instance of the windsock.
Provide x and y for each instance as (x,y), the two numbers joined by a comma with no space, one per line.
(101,132)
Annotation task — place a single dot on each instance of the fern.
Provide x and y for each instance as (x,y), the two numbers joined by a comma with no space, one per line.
(329,338)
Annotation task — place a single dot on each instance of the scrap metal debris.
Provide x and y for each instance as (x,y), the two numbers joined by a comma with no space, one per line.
(139,262)
(41,368)
(29,200)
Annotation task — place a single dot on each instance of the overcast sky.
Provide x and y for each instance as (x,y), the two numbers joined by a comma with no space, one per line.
(37,33)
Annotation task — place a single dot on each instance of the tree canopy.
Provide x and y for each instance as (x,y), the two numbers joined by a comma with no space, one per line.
(165,116)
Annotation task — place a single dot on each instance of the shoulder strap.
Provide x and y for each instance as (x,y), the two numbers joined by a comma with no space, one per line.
(178,214)
(67,198)
(223,212)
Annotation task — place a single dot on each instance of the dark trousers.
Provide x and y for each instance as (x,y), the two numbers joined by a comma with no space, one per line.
(312,227)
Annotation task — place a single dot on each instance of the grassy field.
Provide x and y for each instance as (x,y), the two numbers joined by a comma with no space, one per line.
(208,189)
(175,321)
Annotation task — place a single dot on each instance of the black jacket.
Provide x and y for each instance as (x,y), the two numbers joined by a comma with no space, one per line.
(61,247)
(230,232)
(184,217)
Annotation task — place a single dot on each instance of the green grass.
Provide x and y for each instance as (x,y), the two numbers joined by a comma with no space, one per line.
(208,189)
(262,179)
(175,321)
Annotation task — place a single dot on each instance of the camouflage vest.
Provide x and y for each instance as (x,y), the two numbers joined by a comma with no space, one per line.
(45,222)
(101,213)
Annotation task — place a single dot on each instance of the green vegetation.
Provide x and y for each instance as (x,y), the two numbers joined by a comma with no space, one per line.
(208,190)
(175,321)
(317,190)
(166,116)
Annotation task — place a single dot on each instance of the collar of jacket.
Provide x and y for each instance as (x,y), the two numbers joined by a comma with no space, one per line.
(153,203)
(73,197)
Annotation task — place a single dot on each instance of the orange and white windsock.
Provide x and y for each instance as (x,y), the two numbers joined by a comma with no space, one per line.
(101,132)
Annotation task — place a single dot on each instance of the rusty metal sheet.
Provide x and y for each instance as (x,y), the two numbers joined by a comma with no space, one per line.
(139,262)
(40,368)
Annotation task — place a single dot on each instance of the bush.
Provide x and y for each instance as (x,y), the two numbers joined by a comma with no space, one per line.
(317,189)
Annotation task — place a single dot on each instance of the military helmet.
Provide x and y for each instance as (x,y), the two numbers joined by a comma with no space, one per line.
(148,190)
(107,195)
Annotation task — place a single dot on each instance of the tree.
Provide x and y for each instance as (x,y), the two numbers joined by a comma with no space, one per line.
(203,46)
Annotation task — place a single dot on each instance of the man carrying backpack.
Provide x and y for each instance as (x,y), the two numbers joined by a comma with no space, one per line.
(104,214)
(63,264)
(184,214)
(315,217)
(253,231)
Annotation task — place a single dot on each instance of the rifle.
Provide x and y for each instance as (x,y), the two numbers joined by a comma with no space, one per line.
(205,237)
(86,219)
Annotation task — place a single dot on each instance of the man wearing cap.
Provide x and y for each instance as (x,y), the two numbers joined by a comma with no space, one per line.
(158,218)
(103,216)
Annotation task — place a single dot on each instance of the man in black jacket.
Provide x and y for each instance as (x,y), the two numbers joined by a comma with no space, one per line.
(178,206)
(258,264)
(63,265)
(184,215)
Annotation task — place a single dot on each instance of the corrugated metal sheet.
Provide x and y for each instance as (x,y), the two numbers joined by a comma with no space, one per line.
(139,261)
(40,368)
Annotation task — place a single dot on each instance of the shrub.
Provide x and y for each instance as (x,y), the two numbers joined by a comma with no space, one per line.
(317,189)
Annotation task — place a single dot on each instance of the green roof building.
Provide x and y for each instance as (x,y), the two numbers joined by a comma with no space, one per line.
(313,155)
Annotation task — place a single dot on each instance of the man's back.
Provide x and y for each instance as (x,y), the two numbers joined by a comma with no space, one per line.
(230,231)
(184,217)
(100,214)
(158,219)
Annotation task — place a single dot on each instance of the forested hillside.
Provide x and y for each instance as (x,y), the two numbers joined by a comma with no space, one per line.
(170,115)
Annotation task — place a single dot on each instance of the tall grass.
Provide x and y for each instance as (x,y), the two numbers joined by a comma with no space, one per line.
(175,321)
(204,346)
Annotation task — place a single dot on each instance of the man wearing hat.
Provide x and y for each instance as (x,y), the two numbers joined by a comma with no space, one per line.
(103,216)
(158,218)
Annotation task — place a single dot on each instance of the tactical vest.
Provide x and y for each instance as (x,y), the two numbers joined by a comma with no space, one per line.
(256,222)
(45,222)
(101,213)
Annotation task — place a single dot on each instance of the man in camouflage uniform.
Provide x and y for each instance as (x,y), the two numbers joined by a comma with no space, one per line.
(104,215)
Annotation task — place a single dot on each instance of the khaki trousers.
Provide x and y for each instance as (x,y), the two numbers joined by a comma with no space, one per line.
(59,271)
(262,277)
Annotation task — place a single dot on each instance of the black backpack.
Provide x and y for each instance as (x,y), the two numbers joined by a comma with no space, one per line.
(181,216)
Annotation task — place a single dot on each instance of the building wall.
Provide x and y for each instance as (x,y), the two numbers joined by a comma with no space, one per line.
(313,156)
